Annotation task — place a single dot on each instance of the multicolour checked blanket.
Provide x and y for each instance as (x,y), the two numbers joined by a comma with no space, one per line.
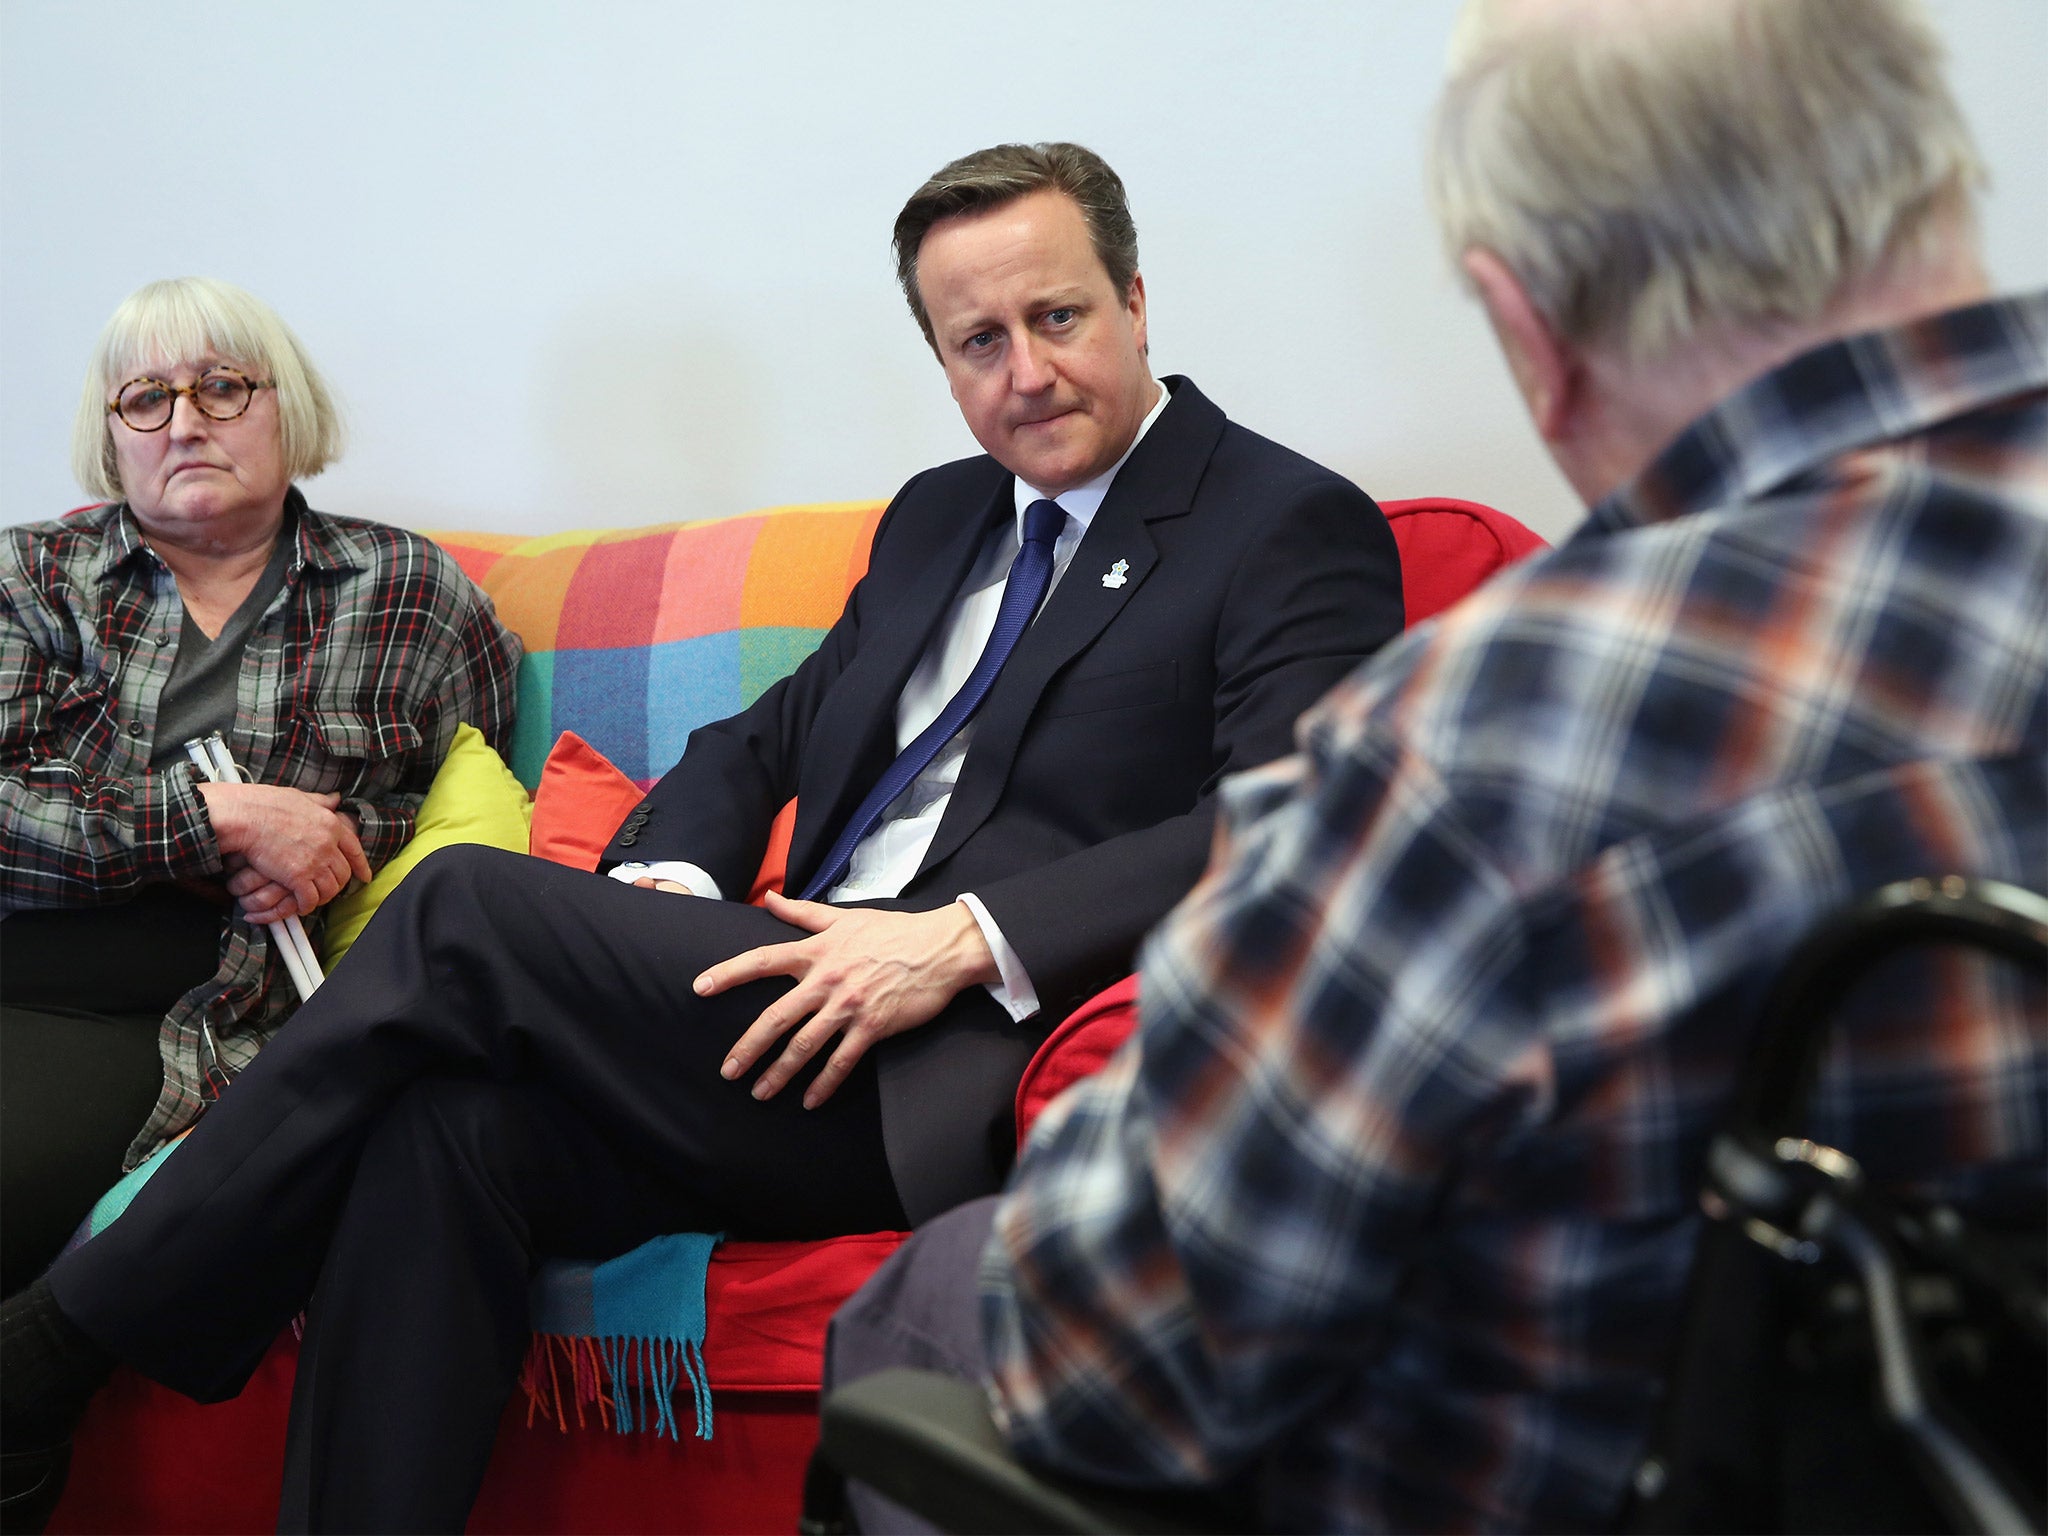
(635,637)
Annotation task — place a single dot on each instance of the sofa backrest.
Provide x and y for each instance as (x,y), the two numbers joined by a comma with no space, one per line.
(637,636)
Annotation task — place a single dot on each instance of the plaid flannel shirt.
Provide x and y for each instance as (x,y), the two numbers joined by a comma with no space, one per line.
(354,680)
(1393,1194)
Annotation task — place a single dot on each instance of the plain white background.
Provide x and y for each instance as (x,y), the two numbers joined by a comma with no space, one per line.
(623,262)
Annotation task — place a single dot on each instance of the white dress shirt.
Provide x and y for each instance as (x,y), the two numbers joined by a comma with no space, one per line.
(886,859)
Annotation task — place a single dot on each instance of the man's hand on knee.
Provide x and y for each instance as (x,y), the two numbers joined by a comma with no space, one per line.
(862,975)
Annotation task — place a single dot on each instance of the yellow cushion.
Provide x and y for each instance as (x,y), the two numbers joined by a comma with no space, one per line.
(473,799)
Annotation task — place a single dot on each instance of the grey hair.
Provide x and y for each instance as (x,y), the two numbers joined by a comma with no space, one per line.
(1651,171)
(180,320)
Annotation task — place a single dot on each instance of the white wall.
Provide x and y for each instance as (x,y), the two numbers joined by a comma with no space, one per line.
(624,262)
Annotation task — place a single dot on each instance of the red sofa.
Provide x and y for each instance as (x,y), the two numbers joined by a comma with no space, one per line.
(148,1460)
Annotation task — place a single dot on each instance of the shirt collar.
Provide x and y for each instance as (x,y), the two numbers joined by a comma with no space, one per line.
(1840,396)
(324,543)
(1085,500)
(120,538)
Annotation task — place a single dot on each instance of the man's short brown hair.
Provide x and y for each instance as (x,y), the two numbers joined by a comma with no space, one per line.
(989,178)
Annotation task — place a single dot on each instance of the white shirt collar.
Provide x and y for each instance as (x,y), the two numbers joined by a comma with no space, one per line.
(1085,500)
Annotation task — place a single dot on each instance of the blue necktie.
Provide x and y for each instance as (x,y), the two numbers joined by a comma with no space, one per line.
(1030,573)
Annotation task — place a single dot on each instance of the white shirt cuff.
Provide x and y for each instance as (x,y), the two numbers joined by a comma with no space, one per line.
(699,883)
(1014,992)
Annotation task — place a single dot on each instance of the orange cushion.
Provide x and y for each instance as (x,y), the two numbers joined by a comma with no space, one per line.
(775,862)
(579,803)
(582,798)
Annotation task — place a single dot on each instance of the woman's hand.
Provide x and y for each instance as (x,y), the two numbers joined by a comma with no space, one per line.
(288,852)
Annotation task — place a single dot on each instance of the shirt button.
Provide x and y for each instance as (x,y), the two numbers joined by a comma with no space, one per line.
(134,727)
(161,640)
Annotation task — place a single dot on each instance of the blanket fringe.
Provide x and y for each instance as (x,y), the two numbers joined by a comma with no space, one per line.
(627,1384)
(548,1357)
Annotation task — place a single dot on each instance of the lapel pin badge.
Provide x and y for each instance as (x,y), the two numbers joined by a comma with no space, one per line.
(1115,576)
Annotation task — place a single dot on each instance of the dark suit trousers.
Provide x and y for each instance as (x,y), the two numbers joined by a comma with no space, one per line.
(509,1064)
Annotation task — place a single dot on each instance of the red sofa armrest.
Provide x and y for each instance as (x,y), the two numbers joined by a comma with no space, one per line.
(1449,547)
(1084,1040)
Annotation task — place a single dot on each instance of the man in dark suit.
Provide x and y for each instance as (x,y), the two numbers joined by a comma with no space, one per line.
(1005,754)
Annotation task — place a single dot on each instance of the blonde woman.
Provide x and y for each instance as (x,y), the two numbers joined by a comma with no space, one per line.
(335,656)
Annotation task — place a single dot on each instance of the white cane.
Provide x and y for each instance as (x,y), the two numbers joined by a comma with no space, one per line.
(213,760)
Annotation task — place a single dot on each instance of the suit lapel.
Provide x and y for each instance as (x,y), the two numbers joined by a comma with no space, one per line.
(1158,481)
(853,738)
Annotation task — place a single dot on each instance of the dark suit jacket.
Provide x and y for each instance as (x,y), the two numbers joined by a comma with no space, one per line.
(1256,579)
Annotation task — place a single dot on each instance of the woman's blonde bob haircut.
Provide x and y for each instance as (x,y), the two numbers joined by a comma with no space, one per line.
(1653,172)
(184,319)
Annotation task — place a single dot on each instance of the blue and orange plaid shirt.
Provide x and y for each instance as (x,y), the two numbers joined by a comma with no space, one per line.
(353,681)
(1393,1194)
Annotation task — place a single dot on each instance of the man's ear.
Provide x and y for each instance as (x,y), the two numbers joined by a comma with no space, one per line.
(1547,369)
(1134,301)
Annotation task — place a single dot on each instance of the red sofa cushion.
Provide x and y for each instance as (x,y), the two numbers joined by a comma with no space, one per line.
(766,1306)
(1077,1048)
(1448,547)
(147,1459)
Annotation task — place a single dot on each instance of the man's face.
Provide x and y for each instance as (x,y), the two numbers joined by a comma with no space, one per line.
(1044,356)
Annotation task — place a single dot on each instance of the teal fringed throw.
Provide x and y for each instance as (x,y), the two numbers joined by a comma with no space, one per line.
(630,1329)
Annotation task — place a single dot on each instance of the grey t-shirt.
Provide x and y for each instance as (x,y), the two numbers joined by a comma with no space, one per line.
(199,695)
